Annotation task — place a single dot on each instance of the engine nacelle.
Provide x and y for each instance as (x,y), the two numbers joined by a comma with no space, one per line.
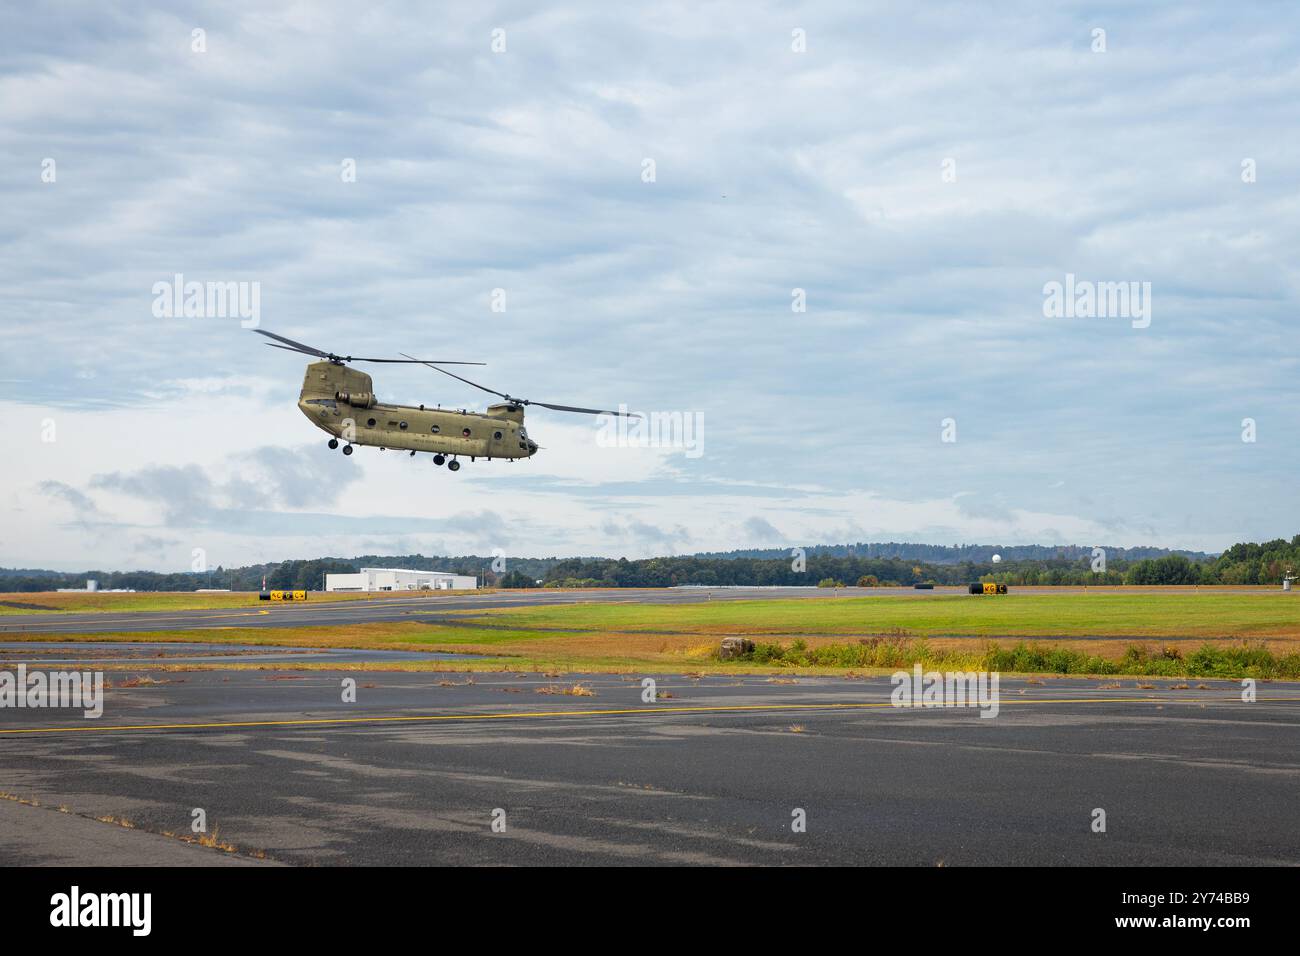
(357,399)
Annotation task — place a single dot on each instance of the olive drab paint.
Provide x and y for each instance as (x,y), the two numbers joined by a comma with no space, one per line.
(333,394)
(341,401)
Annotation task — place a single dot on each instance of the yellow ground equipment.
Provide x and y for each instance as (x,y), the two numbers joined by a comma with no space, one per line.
(283,596)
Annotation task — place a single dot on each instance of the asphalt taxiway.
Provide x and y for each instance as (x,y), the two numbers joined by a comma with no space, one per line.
(389,609)
(717,771)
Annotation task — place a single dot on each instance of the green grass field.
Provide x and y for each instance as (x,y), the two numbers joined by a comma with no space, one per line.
(1165,633)
(1098,613)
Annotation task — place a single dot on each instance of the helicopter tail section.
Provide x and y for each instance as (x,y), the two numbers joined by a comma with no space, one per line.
(328,381)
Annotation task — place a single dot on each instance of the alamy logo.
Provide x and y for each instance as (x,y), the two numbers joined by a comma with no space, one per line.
(953,689)
(683,430)
(1084,299)
(103,909)
(76,689)
(179,299)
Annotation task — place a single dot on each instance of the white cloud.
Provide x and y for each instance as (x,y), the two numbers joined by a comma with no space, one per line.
(775,170)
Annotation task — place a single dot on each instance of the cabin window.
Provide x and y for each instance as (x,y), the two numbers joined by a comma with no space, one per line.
(370,423)
(435,429)
(402,425)
(496,435)
(464,432)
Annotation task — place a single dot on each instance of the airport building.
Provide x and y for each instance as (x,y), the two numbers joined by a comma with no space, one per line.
(399,579)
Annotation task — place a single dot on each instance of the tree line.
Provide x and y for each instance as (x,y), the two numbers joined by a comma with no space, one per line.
(1247,563)
(1265,563)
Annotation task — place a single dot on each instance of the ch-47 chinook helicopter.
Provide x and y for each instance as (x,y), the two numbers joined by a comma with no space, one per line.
(341,402)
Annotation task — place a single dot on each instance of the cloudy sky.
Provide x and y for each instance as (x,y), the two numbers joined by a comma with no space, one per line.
(655,189)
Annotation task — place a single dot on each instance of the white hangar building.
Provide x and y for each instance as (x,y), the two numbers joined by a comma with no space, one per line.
(399,579)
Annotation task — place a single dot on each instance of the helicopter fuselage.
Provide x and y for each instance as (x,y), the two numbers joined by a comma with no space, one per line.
(341,401)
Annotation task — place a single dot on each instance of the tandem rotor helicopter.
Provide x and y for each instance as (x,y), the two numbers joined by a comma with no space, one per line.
(341,402)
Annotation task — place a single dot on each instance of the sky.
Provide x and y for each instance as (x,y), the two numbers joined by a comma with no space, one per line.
(824,234)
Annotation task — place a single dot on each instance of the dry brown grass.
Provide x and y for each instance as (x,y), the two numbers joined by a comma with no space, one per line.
(577,690)
(555,654)
(212,841)
(143,680)
(25,801)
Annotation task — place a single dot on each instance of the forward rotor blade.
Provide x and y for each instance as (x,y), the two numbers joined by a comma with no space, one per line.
(525,401)
(403,361)
(484,388)
(585,411)
(287,348)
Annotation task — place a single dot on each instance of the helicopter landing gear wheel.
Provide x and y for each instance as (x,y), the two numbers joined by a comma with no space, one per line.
(453,465)
(347,449)
(438,459)
(334,443)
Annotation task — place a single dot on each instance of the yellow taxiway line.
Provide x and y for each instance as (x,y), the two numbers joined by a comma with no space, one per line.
(632,711)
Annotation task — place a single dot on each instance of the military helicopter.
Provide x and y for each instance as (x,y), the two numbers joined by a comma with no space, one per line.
(341,402)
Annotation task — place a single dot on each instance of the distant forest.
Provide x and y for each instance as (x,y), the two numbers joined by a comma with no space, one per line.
(959,553)
(858,564)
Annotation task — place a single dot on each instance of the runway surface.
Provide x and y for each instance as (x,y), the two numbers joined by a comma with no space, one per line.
(89,654)
(397,608)
(417,770)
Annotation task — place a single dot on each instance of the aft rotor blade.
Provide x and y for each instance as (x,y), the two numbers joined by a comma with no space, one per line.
(297,345)
(292,346)
(287,348)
